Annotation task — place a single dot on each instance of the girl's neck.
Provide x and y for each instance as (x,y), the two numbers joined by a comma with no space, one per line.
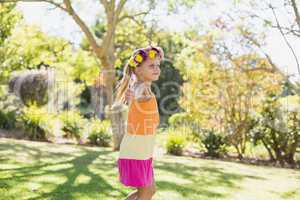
(147,83)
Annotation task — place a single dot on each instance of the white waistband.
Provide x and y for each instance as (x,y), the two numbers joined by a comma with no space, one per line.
(137,146)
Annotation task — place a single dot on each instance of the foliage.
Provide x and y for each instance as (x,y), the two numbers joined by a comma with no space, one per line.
(36,122)
(72,124)
(100,133)
(9,109)
(31,86)
(85,67)
(9,16)
(214,143)
(176,142)
(7,119)
(220,93)
(29,48)
(277,128)
(179,119)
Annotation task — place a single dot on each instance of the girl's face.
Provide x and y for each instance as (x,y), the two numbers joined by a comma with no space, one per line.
(149,70)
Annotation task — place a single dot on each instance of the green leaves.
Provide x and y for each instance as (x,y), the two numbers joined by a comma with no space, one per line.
(9,16)
(173,5)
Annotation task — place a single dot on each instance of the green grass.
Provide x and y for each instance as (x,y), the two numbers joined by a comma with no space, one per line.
(37,170)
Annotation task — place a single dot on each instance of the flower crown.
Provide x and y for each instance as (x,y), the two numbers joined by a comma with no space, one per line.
(142,54)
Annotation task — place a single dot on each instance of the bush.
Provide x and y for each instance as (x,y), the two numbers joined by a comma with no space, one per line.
(175,143)
(36,122)
(182,119)
(214,143)
(9,109)
(185,123)
(31,86)
(72,124)
(277,128)
(177,119)
(7,119)
(100,133)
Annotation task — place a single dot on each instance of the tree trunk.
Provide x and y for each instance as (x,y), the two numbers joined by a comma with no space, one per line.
(116,113)
(279,157)
(240,155)
(118,116)
(272,158)
(289,158)
(296,12)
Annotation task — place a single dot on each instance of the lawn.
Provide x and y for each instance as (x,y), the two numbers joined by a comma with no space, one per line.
(38,170)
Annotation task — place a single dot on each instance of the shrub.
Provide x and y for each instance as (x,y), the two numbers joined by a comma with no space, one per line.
(7,119)
(9,109)
(277,128)
(214,143)
(177,119)
(100,133)
(31,86)
(36,122)
(175,143)
(184,122)
(72,124)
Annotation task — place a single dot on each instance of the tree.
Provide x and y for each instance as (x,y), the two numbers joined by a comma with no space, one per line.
(8,19)
(221,90)
(104,50)
(277,128)
(268,13)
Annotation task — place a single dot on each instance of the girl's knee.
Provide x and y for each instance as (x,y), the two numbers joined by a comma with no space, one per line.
(146,192)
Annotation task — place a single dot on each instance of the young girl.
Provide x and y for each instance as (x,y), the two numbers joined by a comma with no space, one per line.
(137,146)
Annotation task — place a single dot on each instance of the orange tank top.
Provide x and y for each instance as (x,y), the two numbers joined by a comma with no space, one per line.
(143,117)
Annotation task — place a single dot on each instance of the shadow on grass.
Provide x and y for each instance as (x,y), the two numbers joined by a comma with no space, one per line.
(33,152)
(74,166)
(291,194)
(202,181)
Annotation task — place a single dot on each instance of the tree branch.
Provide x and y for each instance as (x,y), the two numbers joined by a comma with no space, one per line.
(46,1)
(84,28)
(67,7)
(132,16)
(297,15)
(105,5)
(285,39)
(288,30)
(120,7)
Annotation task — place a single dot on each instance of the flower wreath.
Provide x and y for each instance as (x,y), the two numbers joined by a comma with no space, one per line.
(141,55)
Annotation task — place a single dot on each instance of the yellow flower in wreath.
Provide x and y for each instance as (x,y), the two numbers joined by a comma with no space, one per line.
(139,58)
(132,63)
(152,54)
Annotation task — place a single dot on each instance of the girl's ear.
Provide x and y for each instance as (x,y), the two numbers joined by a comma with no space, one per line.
(137,71)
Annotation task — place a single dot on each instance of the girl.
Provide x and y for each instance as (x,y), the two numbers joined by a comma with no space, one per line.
(137,146)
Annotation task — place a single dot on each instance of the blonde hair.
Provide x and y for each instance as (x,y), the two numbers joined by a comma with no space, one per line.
(127,73)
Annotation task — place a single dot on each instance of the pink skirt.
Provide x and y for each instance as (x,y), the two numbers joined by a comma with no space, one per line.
(135,173)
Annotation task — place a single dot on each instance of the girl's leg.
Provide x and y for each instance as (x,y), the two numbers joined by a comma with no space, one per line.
(146,193)
(132,196)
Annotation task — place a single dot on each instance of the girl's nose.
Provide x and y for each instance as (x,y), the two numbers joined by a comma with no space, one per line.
(157,68)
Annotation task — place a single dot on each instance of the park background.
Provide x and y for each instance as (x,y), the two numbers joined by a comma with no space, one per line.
(228,97)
